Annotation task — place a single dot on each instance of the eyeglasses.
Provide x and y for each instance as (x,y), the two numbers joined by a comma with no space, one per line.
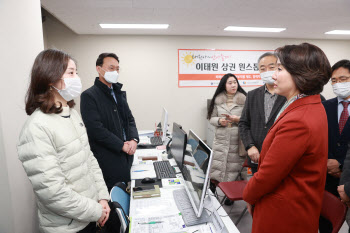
(342,79)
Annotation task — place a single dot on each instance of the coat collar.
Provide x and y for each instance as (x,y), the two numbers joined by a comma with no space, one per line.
(312,99)
(238,99)
(116,86)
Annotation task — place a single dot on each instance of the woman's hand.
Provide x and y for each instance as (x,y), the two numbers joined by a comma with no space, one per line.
(250,209)
(233,118)
(223,122)
(253,153)
(105,212)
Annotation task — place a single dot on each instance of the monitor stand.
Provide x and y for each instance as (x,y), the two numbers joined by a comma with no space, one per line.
(183,203)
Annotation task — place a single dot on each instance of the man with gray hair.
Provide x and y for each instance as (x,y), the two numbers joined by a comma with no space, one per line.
(260,110)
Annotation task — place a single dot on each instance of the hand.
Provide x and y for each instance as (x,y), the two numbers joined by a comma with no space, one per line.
(103,216)
(233,118)
(106,210)
(126,147)
(344,198)
(253,153)
(132,146)
(333,167)
(250,209)
(223,122)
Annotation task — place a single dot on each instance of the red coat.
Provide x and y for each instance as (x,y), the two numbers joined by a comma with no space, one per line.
(287,190)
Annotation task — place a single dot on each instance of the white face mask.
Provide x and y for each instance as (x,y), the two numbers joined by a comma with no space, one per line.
(72,90)
(111,76)
(342,90)
(266,77)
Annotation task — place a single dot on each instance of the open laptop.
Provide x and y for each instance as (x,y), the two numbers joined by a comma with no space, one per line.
(153,141)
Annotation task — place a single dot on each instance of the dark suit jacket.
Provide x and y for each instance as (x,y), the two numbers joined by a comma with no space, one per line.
(104,121)
(337,143)
(252,127)
(345,176)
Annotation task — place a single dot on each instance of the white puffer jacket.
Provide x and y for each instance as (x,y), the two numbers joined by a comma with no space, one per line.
(65,175)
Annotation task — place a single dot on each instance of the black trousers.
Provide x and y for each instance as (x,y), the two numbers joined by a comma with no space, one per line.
(91,228)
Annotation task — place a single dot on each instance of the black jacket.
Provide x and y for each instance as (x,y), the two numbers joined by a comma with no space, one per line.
(252,127)
(104,121)
(337,143)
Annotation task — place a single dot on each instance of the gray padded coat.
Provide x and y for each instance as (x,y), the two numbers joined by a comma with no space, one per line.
(65,175)
(228,151)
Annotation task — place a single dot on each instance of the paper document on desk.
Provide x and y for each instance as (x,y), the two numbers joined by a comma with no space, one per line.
(141,171)
(160,224)
(146,133)
(146,207)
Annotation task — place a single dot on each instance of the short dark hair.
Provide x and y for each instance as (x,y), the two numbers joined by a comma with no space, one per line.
(308,66)
(99,61)
(48,68)
(267,54)
(342,63)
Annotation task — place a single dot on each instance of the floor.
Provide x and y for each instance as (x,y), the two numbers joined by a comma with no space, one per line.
(245,225)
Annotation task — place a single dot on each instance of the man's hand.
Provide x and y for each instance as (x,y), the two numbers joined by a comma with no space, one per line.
(343,195)
(253,153)
(105,212)
(223,122)
(132,147)
(250,209)
(333,168)
(126,147)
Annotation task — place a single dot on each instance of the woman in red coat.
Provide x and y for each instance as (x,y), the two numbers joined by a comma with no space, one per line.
(285,195)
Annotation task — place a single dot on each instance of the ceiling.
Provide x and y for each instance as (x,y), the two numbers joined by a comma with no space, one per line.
(308,19)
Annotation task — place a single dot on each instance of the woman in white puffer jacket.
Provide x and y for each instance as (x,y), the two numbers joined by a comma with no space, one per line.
(54,149)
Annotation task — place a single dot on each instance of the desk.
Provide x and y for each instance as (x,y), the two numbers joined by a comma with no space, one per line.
(165,205)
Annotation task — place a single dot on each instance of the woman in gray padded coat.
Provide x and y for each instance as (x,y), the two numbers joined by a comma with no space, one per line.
(224,113)
(70,192)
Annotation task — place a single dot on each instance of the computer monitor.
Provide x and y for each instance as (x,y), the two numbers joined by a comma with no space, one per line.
(196,171)
(178,144)
(165,123)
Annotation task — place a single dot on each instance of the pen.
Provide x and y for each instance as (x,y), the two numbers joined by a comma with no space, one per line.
(153,222)
(201,177)
(139,170)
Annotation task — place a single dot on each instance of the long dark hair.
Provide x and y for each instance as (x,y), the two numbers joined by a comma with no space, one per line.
(48,68)
(221,88)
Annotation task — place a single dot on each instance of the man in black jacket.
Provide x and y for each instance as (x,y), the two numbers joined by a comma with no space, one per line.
(260,110)
(110,125)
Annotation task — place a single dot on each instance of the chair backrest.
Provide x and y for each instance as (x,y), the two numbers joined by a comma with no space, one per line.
(200,157)
(334,210)
(121,202)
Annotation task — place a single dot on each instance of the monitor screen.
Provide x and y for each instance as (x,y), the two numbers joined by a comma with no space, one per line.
(165,123)
(178,144)
(196,171)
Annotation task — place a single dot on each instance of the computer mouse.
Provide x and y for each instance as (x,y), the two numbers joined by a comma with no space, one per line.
(147,180)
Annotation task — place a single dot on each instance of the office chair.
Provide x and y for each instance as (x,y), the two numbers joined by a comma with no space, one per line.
(334,210)
(121,203)
(233,190)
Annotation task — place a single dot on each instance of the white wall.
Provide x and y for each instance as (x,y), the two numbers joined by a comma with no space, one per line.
(20,41)
(149,68)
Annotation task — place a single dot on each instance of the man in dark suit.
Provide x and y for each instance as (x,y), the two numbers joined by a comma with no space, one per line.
(110,125)
(260,110)
(337,110)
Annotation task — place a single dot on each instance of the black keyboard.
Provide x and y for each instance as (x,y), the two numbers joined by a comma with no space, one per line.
(157,141)
(163,170)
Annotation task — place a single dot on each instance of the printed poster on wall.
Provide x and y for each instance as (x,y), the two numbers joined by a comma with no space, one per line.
(205,67)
